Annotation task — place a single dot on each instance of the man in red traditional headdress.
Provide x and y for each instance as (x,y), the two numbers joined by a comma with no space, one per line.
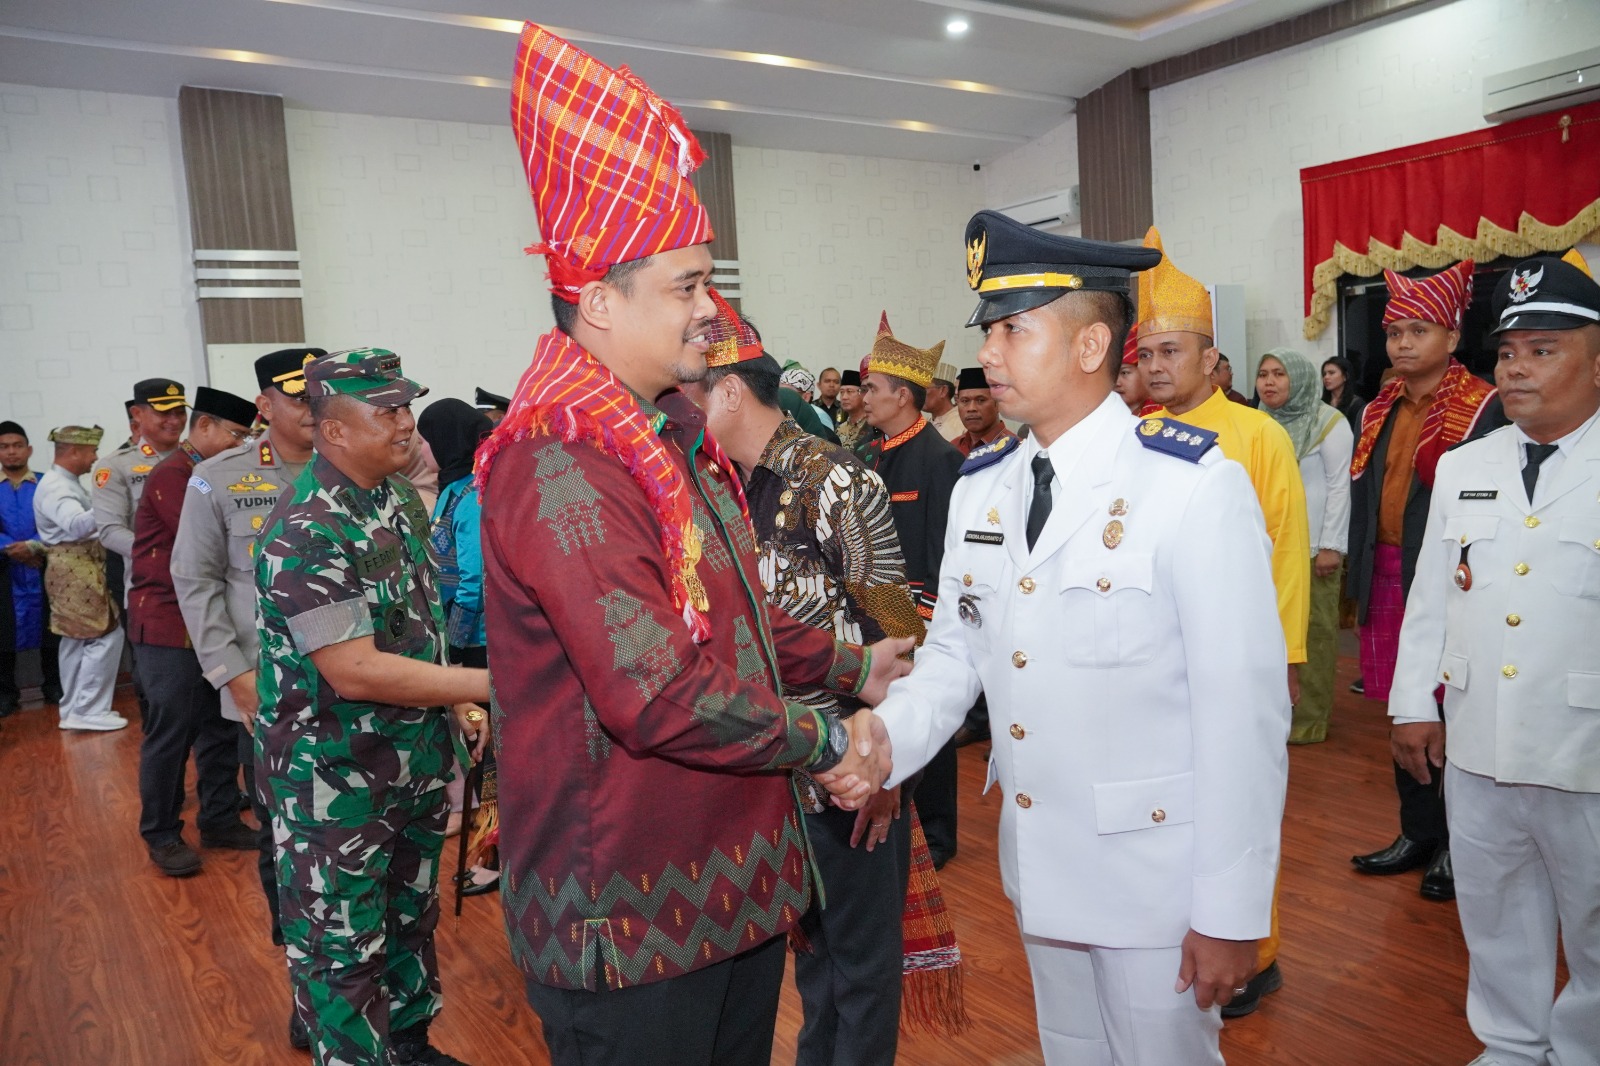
(1430,404)
(652,854)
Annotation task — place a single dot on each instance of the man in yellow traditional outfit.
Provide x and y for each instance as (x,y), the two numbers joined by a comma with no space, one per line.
(1177,356)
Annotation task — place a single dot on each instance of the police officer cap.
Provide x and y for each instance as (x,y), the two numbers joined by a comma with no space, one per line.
(850,377)
(224,405)
(971,377)
(1546,293)
(284,370)
(371,375)
(488,401)
(160,394)
(1016,268)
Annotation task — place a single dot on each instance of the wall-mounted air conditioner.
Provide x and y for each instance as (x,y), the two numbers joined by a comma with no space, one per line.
(1047,211)
(1547,86)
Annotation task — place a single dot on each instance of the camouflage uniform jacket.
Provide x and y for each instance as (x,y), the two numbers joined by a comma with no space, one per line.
(334,563)
(647,828)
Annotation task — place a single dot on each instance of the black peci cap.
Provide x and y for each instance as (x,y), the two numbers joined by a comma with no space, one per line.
(224,405)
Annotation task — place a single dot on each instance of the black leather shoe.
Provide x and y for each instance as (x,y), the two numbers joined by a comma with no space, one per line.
(1264,983)
(469,887)
(299,1037)
(1359,686)
(237,836)
(176,859)
(411,1048)
(1404,854)
(1439,882)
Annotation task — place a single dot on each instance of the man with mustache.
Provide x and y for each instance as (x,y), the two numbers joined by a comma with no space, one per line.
(652,854)
(1503,611)
(353,739)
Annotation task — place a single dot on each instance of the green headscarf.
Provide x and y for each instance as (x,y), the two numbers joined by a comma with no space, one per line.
(1303,415)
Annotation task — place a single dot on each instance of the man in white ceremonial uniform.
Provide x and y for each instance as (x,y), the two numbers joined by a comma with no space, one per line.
(1503,613)
(1107,583)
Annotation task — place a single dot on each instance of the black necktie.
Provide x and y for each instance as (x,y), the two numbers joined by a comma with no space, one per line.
(1039,509)
(1537,454)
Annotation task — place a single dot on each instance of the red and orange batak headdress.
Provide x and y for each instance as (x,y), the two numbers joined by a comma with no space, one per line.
(608,162)
(1441,298)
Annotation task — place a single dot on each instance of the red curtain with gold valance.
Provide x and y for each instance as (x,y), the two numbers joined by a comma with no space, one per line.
(1521,188)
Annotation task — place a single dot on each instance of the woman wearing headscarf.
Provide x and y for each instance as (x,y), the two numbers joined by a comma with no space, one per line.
(1290,388)
(453,429)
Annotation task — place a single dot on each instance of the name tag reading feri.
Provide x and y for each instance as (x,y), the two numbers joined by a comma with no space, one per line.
(375,561)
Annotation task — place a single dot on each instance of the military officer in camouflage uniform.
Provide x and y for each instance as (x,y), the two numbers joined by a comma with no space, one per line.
(353,739)
(225,508)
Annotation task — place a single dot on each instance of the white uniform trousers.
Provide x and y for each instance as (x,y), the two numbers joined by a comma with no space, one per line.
(1116,1007)
(1527,866)
(89,674)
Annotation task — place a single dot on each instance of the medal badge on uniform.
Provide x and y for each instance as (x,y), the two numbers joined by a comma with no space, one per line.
(967,607)
(1464,571)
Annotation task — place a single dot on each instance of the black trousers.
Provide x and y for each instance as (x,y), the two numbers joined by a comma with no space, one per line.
(935,797)
(849,981)
(49,666)
(184,713)
(1422,816)
(723,1015)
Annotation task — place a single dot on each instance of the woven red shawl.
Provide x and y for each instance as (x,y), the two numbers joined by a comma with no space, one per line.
(1457,403)
(568,393)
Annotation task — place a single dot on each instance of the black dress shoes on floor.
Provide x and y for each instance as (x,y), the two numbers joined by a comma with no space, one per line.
(1263,983)
(1439,881)
(1404,854)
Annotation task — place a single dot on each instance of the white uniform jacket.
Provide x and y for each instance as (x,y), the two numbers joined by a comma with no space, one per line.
(1513,640)
(1136,686)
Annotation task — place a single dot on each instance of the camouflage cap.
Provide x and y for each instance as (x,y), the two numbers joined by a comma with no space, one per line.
(371,375)
(89,435)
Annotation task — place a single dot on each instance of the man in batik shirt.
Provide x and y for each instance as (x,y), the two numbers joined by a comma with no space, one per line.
(829,557)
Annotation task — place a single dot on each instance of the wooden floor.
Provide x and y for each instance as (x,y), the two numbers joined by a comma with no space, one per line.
(103,960)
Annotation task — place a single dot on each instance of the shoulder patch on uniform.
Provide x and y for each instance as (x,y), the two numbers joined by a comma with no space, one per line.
(988,455)
(102,476)
(198,482)
(1175,438)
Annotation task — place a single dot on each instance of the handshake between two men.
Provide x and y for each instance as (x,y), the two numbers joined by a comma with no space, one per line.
(856,781)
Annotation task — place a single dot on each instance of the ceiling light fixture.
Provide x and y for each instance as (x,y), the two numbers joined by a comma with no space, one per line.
(957,27)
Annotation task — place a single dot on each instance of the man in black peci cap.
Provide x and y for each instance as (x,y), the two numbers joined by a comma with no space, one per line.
(182,709)
(1503,611)
(1134,677)
(213,569)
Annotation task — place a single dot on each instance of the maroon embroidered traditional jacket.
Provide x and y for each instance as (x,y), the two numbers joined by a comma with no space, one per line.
(647,826)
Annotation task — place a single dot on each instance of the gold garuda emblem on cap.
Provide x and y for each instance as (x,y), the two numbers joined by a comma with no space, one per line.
(977,248)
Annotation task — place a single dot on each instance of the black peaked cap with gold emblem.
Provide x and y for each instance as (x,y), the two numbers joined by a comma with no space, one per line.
(1546,293)
(284,369)
(1015,268)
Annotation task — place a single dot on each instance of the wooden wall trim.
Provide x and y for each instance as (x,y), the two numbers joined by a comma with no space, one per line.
(713,182)
(236,166)
(1114,167)
(1335,18)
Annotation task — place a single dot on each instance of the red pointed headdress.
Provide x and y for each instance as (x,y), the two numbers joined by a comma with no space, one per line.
(1441,298)
(608,162)
(732,339)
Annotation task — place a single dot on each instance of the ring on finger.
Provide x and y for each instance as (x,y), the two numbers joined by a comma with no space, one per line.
(1241,990)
